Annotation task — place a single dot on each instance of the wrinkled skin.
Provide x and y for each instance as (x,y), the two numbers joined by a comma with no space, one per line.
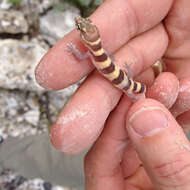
(142,145)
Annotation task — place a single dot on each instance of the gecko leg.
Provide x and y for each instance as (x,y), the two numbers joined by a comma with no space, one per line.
(129,71)
(132,96)
(71,48)
(135,97)
(110,55)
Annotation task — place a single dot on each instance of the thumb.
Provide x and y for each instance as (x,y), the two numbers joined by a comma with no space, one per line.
(161,145)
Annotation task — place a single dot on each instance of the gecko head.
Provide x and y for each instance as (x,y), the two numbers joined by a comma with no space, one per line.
(88,31)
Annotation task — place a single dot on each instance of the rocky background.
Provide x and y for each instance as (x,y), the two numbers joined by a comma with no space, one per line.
(26,34)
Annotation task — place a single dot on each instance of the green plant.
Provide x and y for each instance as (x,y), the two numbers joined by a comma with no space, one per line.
(87,7)
(15,2)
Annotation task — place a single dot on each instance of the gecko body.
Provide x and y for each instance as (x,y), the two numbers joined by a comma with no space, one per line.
(103,62)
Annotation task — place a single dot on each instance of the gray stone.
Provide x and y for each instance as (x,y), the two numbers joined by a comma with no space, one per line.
(13,180)
(12,22)
(20,114)
(44,5)
(55,24)
(18,60)
(26,113)
(5,4)
(39,6)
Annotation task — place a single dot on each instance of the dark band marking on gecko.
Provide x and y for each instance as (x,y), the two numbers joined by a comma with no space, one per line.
(142,89)
(119,78)
(96,47)
(135,86)
(108,69)
(100,58)
(90,36)
(125,88)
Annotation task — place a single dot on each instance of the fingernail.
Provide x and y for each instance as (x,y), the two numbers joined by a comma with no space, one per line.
(148,121)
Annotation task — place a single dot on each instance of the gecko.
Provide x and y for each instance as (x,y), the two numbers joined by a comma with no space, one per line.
(103,62)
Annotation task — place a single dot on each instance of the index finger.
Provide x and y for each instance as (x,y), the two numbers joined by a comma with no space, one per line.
(118,21)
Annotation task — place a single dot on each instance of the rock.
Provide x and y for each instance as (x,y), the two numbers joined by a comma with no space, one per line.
(44,5)
(26,113)
(47,186)
(1,139)
(38,39)
(18,180)
(33,9)
(10,180)
(39,6)
(62,22)
(12,22)
(5,4)
(32,116)
(18,60)
(20,114)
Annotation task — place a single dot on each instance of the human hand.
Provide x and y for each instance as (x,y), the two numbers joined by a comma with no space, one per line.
(157,156)
(138,36)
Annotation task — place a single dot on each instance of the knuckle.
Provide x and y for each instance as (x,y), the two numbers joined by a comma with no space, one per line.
(174,173)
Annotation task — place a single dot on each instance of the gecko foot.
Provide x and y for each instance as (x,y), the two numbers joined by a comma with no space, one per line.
(132,96)
(128,70)
(110,55)
(135,97)
(70,48)
(127,66)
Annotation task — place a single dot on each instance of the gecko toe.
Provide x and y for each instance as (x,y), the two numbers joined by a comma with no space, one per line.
(70,47)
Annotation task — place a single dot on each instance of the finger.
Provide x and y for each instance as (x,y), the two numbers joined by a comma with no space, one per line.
(182,103)
(177,56)
(138,56)
(184,121)
(165,89)
(161,144)
(146,77)
(130,162)
(132,18)
(94,90)
(139,180)
(83,118)
(112,162)
(103,162)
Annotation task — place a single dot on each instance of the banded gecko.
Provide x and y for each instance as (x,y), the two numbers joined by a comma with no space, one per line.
(102,60)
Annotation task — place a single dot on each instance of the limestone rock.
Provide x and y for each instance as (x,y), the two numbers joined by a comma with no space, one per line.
(20,114)
(55,24)
(5,4)
(12,22)
(18,60)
